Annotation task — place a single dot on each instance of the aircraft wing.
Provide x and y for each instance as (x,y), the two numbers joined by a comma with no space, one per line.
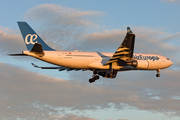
(125,52)
(60,68)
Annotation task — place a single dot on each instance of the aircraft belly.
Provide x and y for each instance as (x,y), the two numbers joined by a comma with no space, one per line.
(81,63)
(75,63)
(50,56)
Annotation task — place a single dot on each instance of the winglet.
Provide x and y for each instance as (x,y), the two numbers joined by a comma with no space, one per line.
(129,30)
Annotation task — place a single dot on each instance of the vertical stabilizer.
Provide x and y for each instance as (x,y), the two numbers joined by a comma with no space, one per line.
(31,37)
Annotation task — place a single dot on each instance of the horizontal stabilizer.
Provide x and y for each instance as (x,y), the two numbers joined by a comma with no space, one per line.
(45,67)
(17,55)
(60,68)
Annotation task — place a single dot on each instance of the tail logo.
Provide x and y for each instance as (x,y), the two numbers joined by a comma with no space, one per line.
(32,39)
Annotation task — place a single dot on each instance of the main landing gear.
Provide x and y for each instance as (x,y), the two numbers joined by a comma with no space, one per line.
(94,78)
(158,75)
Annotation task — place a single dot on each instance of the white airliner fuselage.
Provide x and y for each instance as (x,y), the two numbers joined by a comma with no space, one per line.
(92,60)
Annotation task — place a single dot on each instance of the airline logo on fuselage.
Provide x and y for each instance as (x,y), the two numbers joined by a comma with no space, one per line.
(141,57)
(30,39)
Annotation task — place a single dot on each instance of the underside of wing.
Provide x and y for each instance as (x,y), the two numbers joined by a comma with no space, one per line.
(60,68)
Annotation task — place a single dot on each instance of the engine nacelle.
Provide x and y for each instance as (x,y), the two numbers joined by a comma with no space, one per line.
(141,64)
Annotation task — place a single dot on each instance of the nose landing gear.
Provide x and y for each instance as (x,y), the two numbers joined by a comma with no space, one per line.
(158,75)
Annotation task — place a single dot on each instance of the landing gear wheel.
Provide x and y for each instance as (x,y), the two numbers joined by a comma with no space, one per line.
(110,75)
(114,72)
(158,75)
(95,77)
(91,80)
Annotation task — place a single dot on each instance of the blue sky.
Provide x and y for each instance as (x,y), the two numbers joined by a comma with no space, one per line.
(30,93)
(155,13)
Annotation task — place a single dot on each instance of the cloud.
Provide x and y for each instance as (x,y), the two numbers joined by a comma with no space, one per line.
(171,1)
(108,40)
(71,117)
(26,94)
(10,41)
(147,40)
(123,119)
(31,94)
(62,26)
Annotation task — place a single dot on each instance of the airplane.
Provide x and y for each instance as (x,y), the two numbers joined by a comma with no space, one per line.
(103,64)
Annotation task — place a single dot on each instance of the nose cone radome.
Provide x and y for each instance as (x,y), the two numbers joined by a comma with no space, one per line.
(170,62)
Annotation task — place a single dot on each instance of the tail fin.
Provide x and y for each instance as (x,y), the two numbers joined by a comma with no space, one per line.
(31,37)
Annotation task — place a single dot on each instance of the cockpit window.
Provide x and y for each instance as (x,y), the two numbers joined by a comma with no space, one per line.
(167,58)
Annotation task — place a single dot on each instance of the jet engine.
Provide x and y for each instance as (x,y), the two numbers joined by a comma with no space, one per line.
(140,64)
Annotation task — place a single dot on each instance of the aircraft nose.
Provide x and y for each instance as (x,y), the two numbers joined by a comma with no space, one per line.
(170,62)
